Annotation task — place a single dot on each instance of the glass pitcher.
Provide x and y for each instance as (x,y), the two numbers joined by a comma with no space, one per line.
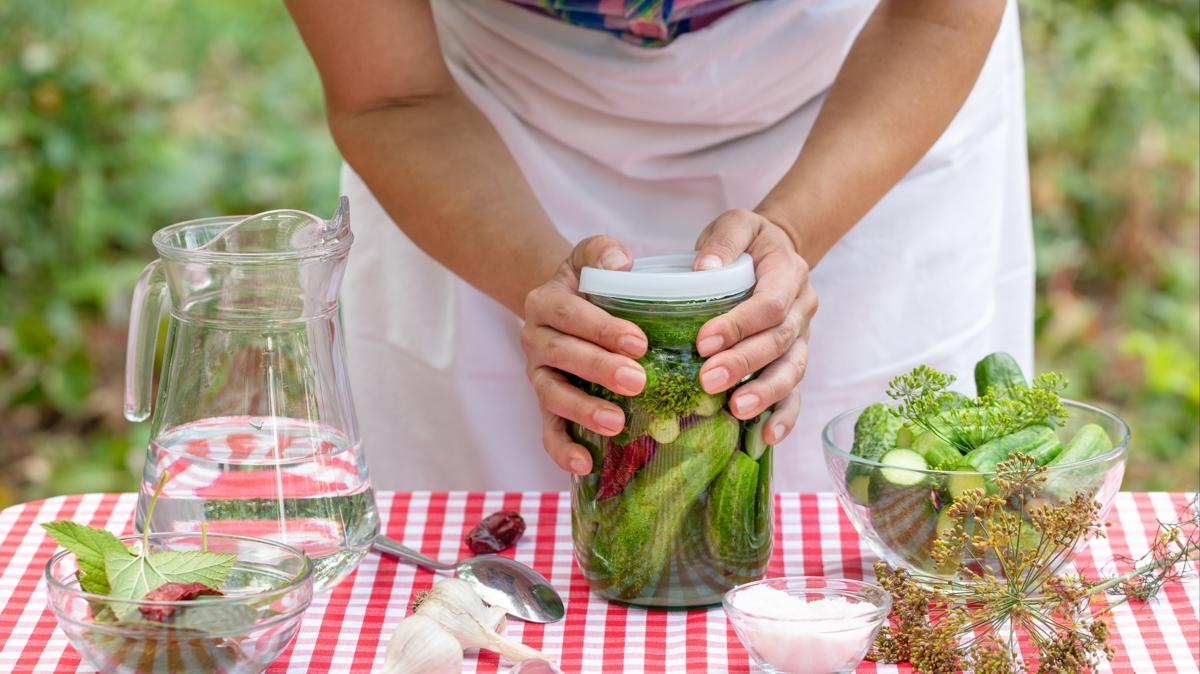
(254,420)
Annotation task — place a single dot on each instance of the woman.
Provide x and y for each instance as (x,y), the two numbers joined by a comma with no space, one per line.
(494,149)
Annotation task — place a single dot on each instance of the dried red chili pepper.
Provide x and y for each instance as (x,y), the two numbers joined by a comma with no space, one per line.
(496,532)
(173,592)
(621,462)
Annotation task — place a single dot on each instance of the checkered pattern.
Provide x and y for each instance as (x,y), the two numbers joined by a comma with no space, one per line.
(347,629)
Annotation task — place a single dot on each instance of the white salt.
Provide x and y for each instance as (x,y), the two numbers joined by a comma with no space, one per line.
(819,636)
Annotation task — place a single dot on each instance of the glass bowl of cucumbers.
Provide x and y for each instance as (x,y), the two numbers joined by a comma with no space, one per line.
(898,466)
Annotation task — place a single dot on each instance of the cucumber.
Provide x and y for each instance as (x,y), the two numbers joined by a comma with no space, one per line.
(903,467)
(859,488)
(938,454)
(907,435)
(752,439)
(1063,480)
(958,484)
(729,519)
(944,525)
(637,533)
(952,400)
(998,369)
(1089,441)
(764,511)
(1040,442)
(875,431)
(664,430)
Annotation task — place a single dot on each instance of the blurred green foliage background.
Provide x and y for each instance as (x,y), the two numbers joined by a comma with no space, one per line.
(120,117)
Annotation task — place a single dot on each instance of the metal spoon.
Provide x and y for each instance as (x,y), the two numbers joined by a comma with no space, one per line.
(517,588)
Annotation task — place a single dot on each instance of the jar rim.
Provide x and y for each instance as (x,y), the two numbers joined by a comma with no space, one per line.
(669,277)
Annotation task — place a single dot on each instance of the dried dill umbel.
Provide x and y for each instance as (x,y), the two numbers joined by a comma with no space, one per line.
(974,619)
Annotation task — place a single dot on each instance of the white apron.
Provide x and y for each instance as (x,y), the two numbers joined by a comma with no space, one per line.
(649,145)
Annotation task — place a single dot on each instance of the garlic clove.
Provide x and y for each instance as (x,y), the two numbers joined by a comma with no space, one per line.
(421,646)
(459,610)
(497,618)
(535,666)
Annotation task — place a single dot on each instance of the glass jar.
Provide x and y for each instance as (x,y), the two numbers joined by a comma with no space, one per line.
(678,507)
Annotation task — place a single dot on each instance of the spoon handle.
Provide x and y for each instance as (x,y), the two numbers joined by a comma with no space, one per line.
(393,547)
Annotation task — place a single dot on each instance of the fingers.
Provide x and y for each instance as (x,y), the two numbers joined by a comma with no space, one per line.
(753,353)
(781,276)
(549,347)
(568,454)
(727,237)
(557,396)
(556,306)
(776,382)
(601,251)
(782,419)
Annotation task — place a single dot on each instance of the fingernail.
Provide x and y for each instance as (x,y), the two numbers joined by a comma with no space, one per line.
(630,378)
(710,345)
(745,402)
(613,258)
(632,345)
(709,262)
(714,379)
(579,465)
(608,419)
(777,432)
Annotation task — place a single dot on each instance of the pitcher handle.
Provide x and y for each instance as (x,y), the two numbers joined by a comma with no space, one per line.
(144,317)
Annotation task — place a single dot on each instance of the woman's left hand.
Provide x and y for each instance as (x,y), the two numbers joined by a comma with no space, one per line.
(767,332)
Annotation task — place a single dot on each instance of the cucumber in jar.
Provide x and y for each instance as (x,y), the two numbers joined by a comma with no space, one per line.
(632,544)
(737,524)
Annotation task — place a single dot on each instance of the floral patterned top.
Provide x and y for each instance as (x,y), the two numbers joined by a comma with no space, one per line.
(649,23)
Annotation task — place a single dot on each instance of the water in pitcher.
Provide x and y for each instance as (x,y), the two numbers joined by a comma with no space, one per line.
(290,480)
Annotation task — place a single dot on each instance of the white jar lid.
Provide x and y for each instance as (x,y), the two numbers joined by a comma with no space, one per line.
(669,277)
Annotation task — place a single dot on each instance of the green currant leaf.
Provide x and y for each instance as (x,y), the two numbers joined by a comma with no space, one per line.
(90,545)
(133,577)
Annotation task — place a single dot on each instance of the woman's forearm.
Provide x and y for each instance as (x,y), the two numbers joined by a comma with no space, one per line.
(431,158)
(904,79)
(441,171)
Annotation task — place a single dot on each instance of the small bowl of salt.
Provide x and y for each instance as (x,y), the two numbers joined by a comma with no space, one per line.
(807,624)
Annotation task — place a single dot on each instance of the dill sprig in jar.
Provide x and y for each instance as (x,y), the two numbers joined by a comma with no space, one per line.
(678,507)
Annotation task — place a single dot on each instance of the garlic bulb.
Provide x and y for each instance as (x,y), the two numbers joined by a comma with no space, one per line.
(455,606)
(420,646)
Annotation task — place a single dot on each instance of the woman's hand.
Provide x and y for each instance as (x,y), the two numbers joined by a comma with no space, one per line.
(564,333)
(769,331)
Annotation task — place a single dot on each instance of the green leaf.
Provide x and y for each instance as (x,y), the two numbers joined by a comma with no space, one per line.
(94,582)
(90,545)
(133,577)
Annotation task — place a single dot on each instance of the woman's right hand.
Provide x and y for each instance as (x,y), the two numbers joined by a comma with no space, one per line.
(564,333)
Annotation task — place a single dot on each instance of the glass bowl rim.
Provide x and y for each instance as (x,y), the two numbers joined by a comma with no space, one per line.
(1119,448)
(850,588)
(172,251)
(296,582)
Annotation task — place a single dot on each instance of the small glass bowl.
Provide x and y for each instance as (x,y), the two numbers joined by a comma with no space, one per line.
(810,645)
(243,631)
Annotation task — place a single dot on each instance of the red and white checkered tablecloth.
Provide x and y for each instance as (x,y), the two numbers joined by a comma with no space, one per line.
(347,629)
